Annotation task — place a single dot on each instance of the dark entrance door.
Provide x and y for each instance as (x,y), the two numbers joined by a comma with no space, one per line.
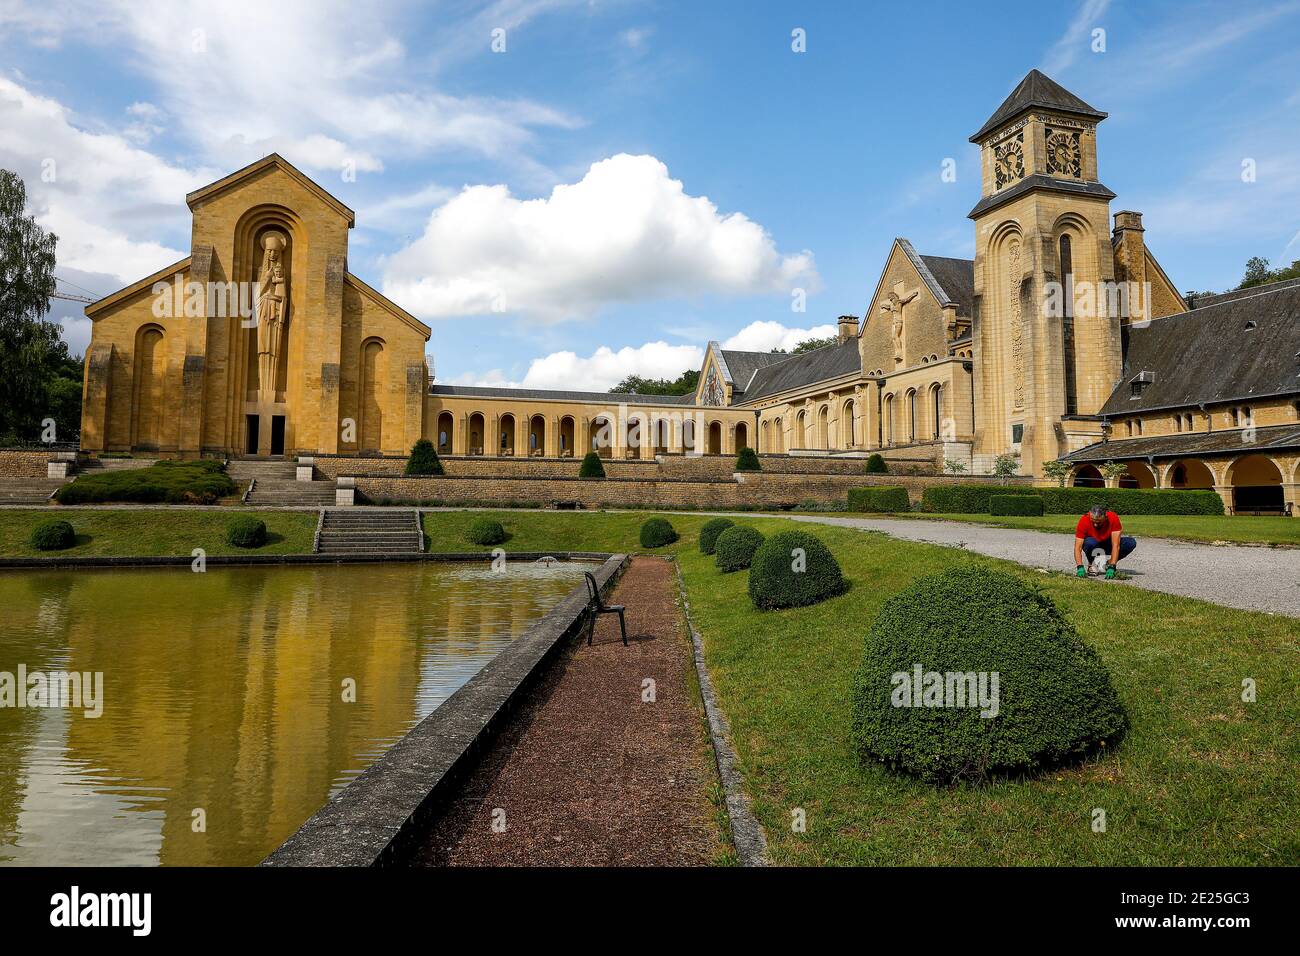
(277,434)
(253,423)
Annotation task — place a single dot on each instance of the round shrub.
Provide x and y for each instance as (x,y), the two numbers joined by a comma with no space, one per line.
(424,459)
(246,532)
(52,535)
(736,547)
(485,531)
(876,465)
(793,569)
(1053,701)
(747,460)
(709,532)
(657,532)
(592,466)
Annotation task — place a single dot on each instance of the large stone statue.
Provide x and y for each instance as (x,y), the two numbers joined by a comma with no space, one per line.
(895,304)
(272,309)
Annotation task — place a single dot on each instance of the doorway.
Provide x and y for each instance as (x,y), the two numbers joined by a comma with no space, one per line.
(277,434)
(252,426)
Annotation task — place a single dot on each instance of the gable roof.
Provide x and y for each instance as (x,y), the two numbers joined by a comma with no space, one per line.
(383,301)
(956,280)
(739,367)
(266,162)
(1211,355)
(1226,441)
(807,368)
(1036,90)
(139,285)
(1203,301)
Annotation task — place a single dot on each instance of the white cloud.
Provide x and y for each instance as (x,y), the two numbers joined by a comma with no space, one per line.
(625,232)
(1076,39)
(765,336)
(598,372)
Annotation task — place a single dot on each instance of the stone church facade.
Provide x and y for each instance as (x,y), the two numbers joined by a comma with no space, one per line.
(1062,339)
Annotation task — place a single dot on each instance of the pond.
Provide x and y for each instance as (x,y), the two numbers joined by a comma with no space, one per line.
(227,710)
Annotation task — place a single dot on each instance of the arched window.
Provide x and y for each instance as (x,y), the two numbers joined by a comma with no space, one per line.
(911,415)
(1067,324)
(937,394)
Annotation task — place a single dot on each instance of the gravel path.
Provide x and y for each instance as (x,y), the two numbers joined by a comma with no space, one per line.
(588,774)
(1253,579)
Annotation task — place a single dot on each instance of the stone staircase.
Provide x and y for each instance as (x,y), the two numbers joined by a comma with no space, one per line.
(28,492)
(370,531)
(275,484)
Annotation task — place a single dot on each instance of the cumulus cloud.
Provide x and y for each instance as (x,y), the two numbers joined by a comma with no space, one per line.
(626,232)
(599,371)
(765,336)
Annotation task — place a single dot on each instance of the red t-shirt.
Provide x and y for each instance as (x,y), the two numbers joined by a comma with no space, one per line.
(1086,529)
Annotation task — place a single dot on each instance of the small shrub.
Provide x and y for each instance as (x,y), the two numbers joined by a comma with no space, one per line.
(709,532)
(201,481)
(485,531)
(246,532)
(747,460)
(1054,701)
(52,534)
(1019,505)
(1006,465)
(592,466)
(424,459)
(793,569)
(735,548)
(657,532)
(876,465)
(884,499)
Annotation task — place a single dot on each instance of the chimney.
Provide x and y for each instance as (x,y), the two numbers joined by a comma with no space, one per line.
(848,327)
(1131,261)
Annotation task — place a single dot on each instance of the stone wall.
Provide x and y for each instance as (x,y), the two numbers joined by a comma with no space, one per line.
(23,463)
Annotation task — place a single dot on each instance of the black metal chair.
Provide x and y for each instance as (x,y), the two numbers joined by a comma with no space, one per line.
(599,607)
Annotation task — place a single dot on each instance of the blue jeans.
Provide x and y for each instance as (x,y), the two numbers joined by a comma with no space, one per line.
(1126,546)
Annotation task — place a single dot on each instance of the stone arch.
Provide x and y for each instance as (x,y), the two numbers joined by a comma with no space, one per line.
(799,439)
(936,410)
(445,437)
(662,436)
(887,418)
(848,424)
(1006,270)
(823,437)
(1088,476)
(148,386)
(249,229)
(1139,475)
(778,437)
(477,434)
(506,427)
(1256,482)
(537,435)
(600,436)
(742,436)
(566,435)
(714,440)
(910,410)
(374,373)
(1188,473)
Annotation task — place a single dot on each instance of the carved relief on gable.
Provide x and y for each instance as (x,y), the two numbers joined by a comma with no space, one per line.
(1017,326)
(713,393)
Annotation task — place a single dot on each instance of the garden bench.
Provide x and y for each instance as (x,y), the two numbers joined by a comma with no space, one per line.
(598,607)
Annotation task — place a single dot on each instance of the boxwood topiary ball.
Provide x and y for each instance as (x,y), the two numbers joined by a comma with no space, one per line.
(485,531)
(52,535)
(246,532)
(793,569)
(657,532)
(709,532)
(1054,701)
(735,548)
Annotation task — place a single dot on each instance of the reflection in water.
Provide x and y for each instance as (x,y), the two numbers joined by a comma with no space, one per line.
(224,692)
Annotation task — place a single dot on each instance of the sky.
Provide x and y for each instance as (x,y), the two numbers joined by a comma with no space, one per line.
(572,192)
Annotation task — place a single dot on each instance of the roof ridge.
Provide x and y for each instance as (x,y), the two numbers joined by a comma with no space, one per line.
(1263,290)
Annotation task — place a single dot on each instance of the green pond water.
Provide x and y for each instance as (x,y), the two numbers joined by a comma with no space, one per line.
(223,692)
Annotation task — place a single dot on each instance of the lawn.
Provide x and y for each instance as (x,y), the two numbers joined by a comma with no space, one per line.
(1202,778)
(141,532)
(1240,529)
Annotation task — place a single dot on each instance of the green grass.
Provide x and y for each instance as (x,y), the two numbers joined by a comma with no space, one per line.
(1201,778)
(149,532)
(176,482)
(1240,529)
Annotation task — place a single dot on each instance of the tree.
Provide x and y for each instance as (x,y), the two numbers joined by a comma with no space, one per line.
(423,459)
(684,384)
(31,351)
(1112,470)
(1057,470)
(1259,273)
(954,465)
(807,345)
(1006,465)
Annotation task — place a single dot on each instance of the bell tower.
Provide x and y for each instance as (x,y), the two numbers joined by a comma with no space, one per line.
(1047,344)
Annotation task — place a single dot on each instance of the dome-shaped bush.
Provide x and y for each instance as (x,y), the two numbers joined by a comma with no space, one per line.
(592,466)
(657,532)
(246,532)
(423,459)
(947,635)
(709,532)
(485,531)
(876,465)
(52,535)
(793,569)
(736,547)
(747,460)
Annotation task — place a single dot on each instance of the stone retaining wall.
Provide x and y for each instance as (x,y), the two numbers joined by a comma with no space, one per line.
(23,462)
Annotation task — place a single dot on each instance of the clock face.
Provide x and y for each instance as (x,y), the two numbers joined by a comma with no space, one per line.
(1063,153)
(1009,160)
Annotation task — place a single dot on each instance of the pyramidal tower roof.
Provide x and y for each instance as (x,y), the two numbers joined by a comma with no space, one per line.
(1036,90)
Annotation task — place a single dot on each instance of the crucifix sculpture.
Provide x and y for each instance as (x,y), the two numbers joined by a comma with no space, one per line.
(895,305)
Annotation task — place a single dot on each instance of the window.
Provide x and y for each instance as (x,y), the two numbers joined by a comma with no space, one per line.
(1067,326)
(1017,434)
(1178,423)
(1139,426)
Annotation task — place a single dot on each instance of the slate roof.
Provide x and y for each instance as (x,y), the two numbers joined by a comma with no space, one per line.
(1210,354)
(559,395)
(1228,441)
(806,368)
(1070,187)
(1201,301)
(1036,90)
(742,366)
(956,277)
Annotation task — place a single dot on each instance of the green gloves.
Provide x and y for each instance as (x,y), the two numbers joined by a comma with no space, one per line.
(1110,574)
(1081,571)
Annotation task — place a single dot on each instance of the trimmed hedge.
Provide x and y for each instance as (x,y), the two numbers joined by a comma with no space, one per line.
(424,459)
(736,547)
(200,481)
(53,534)
(657,532)
(888,498)
(592,466)
(1054,700)
(747,460)
(709,532)
(876,465)
(485,531)
(246,532)
(974,499)
(1019,505)
(779,578)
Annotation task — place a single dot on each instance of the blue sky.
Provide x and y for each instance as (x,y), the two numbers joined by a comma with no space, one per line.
(626,180)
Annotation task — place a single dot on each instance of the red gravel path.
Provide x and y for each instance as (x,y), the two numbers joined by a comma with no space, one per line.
(588,774)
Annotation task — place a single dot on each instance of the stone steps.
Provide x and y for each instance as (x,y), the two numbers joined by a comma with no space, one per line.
(345,531)
(27,491)
(291,493)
